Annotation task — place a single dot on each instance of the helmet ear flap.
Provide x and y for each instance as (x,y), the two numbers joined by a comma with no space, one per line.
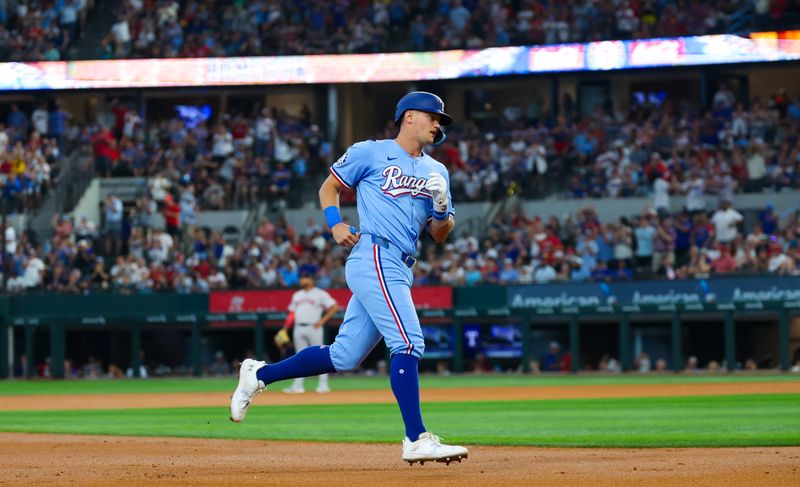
(439,137)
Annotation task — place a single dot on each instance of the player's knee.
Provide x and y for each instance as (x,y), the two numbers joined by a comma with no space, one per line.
(343,362)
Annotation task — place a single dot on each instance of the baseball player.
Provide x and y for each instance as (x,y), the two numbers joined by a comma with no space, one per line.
(309,310)
(400,192)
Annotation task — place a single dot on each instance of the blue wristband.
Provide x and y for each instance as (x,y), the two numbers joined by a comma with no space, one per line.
(439,215)
(332,216)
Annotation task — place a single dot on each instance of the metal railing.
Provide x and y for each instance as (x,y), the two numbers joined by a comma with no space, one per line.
(75,176)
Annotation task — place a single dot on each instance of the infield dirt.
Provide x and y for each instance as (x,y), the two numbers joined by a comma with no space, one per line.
(37,459)
(98,460)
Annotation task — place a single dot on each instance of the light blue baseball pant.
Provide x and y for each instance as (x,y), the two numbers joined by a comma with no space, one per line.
(380,308)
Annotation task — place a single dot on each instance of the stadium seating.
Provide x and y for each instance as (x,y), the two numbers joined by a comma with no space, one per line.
(188,29)
(655,152)
(170,28)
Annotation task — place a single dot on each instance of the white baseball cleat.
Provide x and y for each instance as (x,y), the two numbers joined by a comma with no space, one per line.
(294,390)
(248,387)
(429,448)
(323,389)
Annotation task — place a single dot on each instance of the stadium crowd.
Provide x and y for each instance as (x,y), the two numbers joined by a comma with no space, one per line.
(169,28)
(30,155)
(657,150)
(43,31)
(515,250)
(232,164)
(654,150)
(38,30)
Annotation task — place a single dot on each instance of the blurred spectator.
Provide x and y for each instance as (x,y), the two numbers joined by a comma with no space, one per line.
(645,235)
(142,374)
(481,365)
(725,221)
(724,263)
(112,214)
(552,359)
(220,366)
(642,362)
(691,364)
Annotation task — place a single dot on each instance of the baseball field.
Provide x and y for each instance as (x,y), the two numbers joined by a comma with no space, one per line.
(521,430)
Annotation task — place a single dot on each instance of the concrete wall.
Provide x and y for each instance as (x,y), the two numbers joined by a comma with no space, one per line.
(89,204)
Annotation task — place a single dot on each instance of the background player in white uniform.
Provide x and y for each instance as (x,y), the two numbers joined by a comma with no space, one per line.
(310,308)
(400,192)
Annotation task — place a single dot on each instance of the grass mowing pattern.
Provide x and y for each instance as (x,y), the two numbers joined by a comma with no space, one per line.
(227,384)
(746,420)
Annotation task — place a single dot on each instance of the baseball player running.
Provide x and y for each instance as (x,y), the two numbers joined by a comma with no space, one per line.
(400,192)
(309,310)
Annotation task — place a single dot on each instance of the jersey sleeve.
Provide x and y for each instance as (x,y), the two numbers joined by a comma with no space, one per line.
(293,303)
(327,300)
(353,166)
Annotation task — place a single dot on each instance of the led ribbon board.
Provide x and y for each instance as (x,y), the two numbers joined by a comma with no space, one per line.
(366,68)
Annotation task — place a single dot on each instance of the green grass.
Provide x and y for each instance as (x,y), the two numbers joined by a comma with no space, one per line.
(13,387)
(714,421)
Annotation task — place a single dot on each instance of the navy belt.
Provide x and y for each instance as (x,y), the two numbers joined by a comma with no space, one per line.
(394,249)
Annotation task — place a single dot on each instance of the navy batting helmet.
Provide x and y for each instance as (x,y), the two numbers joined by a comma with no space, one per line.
(424,102)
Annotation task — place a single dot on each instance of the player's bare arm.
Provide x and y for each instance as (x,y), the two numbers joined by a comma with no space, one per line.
(328,315)
(329,197)
(440,229)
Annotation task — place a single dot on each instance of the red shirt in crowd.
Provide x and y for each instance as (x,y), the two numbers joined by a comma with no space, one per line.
(548,247)
(103,143)
(724,264)
(203,269)
(172,213)
(119,117)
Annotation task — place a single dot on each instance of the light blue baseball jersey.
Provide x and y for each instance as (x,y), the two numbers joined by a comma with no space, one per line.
(393,204)
(390,189)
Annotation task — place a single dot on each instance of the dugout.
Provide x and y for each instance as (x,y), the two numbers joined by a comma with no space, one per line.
(703,337)
(599,343)
(29,347)
(549,346)
(73,328)
(651,340)
(757,341)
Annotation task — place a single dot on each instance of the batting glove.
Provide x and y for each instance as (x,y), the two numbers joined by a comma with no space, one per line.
(437,185)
